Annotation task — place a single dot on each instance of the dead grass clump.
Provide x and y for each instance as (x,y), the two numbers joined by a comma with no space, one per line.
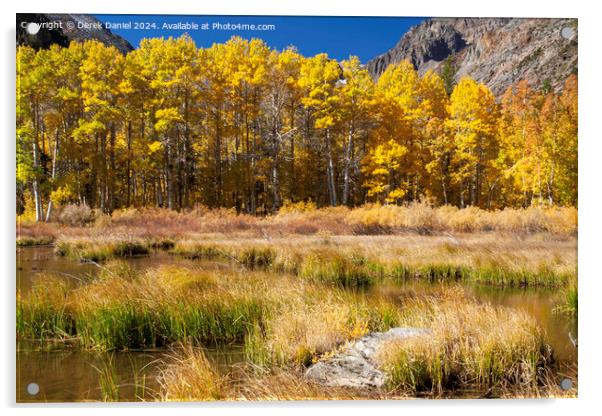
(309,321)
(31,234)
(469,345)
(189,376)
(100,249)
(331,219)
(76,215)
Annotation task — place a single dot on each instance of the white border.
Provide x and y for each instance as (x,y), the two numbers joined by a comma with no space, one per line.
(589,192)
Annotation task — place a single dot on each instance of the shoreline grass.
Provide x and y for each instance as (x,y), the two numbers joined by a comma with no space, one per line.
(469,345)
(100,249)
(125,310)
(25,241)
(413,219)
(358,261)
(472,349)
(284,324)
(364,261)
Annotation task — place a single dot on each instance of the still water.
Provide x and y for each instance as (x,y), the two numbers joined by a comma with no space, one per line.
(77,375)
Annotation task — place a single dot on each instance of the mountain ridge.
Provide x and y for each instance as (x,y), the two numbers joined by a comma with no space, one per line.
(495,51)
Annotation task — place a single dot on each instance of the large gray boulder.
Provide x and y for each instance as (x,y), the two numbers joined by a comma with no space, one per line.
(355,365)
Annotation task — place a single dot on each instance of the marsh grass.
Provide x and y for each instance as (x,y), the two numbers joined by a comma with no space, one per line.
(549,385)
(311,321)
(34,234)
(120,311)
(483,350)
(469,345)
(335,268)
(571,300)
(45,312)
(100,249)
(280,318)
(25,241)
(285,324)
(108,381)
(363,261)
(255,255)
(200,251)
(188,375)
(415,219)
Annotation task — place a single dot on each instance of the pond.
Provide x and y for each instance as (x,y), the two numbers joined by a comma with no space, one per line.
(81,376)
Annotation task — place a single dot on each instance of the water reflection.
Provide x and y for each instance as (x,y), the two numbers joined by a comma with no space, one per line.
(68,376)
(132,376)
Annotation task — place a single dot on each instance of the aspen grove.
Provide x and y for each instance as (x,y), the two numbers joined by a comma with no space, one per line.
(240,125)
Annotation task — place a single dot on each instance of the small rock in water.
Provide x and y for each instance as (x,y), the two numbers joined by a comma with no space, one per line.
(355,366)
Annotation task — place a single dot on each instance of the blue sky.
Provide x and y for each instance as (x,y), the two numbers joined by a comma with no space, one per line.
(340,37)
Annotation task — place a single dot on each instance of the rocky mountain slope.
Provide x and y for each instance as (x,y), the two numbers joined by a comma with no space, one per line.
(495,51)
(78,27)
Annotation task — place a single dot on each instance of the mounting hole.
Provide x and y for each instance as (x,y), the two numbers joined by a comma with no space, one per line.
(32,28)
(33,389)
(567,32)
(566,384)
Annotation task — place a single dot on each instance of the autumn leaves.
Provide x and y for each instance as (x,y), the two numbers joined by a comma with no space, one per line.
(241,125)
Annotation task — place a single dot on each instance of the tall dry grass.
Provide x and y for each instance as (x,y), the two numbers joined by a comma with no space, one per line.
(470,345)
(421,218)
(475,348)
(188,375)
(311,321)
(281,318)
(354,261)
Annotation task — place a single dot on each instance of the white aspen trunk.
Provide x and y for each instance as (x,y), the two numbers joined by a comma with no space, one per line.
(346,175)
(332,192)
(55,154)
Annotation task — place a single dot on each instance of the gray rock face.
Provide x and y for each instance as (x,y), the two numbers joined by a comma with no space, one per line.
(495,51)
(76,27)
(355,365)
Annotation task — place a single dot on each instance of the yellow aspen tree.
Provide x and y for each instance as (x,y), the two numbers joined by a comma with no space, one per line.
(559,122)
(356,106)
(473,115)
(101,72)
(318,77)
(393,138)
(437,147)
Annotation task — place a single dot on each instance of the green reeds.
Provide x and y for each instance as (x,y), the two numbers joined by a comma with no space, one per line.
(199,251)
(45,312)
(350,267)
(26,241)
(108,381)
(118,312)
(337,269)
(100,250)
